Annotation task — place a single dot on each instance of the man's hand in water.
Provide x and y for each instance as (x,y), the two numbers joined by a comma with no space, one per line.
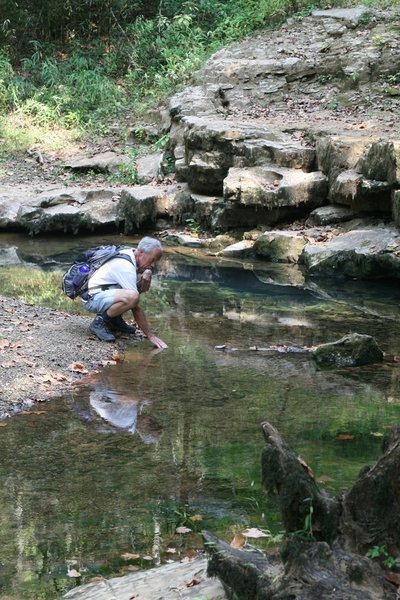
(158,343)
(144,281)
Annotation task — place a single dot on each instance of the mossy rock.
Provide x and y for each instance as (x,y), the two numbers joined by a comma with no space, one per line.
(350,351)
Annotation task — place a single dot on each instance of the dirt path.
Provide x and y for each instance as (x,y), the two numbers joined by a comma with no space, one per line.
(43,352)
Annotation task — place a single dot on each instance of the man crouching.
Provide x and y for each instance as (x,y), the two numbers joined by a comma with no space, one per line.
(115,288)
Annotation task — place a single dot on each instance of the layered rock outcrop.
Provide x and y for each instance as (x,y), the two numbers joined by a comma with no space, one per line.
(297,123)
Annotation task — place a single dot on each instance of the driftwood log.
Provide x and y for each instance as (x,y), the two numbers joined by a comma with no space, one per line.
(326,561)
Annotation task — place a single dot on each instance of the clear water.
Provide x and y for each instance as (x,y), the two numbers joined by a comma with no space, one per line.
(173,438)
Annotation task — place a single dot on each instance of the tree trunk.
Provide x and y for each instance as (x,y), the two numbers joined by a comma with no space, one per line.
(323,556)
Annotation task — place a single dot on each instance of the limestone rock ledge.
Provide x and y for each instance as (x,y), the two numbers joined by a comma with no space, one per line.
(167,582)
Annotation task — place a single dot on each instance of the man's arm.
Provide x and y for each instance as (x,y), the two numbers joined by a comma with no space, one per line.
(141,320)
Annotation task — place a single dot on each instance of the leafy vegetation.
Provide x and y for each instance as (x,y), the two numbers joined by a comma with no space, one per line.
(76,66)
(381,554)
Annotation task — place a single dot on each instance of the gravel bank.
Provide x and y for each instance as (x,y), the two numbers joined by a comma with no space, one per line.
(43,352)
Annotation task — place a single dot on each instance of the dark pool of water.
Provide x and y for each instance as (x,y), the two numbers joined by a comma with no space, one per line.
(173,438)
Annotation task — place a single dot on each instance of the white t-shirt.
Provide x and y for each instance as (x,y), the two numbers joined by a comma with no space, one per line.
(116,271)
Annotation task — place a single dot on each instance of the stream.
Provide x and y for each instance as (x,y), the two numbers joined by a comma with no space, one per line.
(96,483)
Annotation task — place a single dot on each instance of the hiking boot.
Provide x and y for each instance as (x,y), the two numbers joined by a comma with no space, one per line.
(100,328)
(118,324)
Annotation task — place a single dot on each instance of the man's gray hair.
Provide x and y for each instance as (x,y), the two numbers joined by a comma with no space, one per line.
(147,244)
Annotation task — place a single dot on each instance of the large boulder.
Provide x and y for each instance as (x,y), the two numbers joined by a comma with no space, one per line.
(275,187)
(69,210)
(372,253)
(352,350)
(382,162)
(12,199)
(213,146)
(341,152)
(139,205)
(149,167)
(328,215)
(280,246)
(361,195)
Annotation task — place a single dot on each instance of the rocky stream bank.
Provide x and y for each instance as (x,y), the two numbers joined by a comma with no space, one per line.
(286,147)
(294,126)
(43,352)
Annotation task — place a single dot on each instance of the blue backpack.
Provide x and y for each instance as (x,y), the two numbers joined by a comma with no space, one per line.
(75,281)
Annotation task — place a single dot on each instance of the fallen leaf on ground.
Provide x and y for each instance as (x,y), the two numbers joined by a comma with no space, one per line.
(77,368)
(9,364)
(107,363)
(49,380)
(27,362)
(73,573)
(345,436)
(192,582)
(4,344)
(60,377)
(183,530)
(147,557)
(185,560)
(324,479)
(238,541)
(392,577)
(171,550)
(254,533)
(130,556)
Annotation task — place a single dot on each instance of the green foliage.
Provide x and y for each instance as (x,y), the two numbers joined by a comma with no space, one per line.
(194,226)
(8,86)
(307,529)
(80,63)
(381,554)
(161,144)
(75,90)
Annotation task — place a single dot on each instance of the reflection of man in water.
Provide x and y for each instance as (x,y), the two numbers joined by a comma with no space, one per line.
(124,412)
(115,399)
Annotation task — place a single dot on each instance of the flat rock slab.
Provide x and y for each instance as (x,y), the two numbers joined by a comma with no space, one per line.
(349,15)
(105,161)
(169,582)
